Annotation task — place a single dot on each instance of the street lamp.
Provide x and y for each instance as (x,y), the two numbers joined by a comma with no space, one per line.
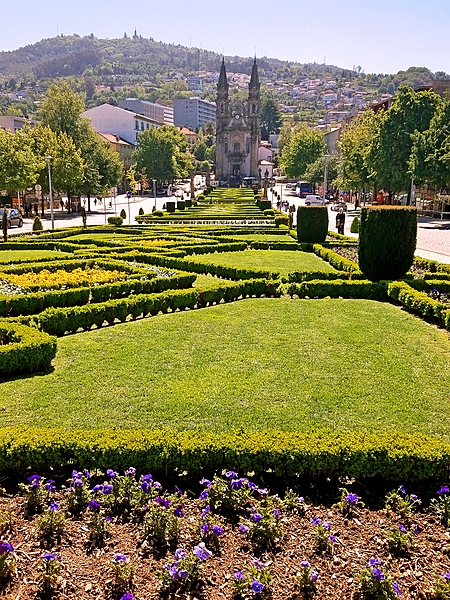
(154,190)
(48,159)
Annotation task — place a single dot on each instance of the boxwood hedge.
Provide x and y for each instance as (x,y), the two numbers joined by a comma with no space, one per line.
(24,349)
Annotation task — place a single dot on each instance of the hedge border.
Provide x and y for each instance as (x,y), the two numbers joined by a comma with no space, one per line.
(339,288)
(391,455)
(28,350)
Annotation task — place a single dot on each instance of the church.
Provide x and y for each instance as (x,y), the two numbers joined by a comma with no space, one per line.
(238,133)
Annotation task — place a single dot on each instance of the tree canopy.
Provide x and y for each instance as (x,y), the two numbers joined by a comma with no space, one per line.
(305,147)
(270,118)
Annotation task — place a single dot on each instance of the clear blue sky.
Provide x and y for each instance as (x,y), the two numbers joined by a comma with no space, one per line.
(382,36)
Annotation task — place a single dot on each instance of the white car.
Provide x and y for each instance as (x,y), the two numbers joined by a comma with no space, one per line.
(314,200)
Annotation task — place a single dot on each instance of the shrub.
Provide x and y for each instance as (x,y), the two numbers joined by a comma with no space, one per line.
(117,221)
(281,220)
(265,205)
(181,205)
(170,207)
(354,228)
(37,224)
(158,213)
(387,241)
(269,212)
(24,349)
(123,214)
(312,224)
(141,211)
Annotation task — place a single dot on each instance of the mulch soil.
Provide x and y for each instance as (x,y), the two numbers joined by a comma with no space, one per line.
(86,571)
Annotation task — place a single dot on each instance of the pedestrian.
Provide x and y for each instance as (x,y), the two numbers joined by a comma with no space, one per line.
(340,221)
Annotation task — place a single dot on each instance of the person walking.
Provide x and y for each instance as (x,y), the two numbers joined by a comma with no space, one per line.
(340,221)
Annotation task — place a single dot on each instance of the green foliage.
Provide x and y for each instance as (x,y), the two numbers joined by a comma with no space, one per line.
(19,166)
(117,221)
(37,224)
(315,171)
(337,261)
(340,288)
(376,583)
(281,220)
(387,241)
(304,147)
(24,349)
(354,227)
(270,117)
(401,503)
(418,302)
(123,214)
(141,211)
(312,224)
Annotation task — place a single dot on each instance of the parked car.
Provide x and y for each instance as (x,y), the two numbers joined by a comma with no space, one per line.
(337,205)
(314,200)
(13,215)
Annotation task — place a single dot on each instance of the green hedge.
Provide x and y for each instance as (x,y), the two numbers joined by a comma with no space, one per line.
(339,288)
(431,265)
(387,241)
(312,224)
(299,276)
(336,260)
(24,349)
(393,456)
(417,302)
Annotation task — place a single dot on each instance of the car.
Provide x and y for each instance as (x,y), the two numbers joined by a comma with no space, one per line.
(314,200)
(13,215)
(290,186)
(337,205)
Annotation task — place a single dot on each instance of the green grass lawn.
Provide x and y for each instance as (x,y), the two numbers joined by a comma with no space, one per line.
(12,256)
(283,261)
(256,364)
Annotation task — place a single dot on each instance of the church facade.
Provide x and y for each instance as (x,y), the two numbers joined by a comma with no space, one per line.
(238,134)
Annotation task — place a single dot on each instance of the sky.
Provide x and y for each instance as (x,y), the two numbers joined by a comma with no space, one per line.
(380,36)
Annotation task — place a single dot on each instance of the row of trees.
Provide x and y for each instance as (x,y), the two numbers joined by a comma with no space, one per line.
(383,150)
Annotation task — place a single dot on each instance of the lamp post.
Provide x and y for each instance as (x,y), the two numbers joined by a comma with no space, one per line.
(154,190)
(325,176)
(48,159)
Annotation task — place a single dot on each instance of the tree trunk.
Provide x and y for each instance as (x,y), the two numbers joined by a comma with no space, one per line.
(89,202)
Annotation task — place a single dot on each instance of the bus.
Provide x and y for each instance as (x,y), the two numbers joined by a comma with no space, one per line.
(303,189)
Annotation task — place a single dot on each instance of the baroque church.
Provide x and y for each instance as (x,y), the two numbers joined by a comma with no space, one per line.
(238,134)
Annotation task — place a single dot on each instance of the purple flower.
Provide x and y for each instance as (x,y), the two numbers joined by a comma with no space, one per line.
(206,482)
(86,472)
(97,488)
(34,486)
(107,489)
(327,526)
(204,495)
(201,552)
(239,576)
(206,510)
(413,497)
(231,474)
(252,486)
(53,506)
(178,512)
(402,528)
(276,513)
(163,501)
(50,485)
(316,521)
(77,483)
(120,558)
(178,491)
(446,576)
(416,528)
(332,539)
(94,506)
(313,576)
(351,499)
(374,562)
(34,478)
(263,491)
(257,587)
(204,528)
(180,554)
(157,485)
(396,588)
(256,517)
(76,475)
(243,528)
(182,574)
(5,547)
(127,596)
(444,490)
(401,489)
(300,500)
(257,563)
(131,471)
(236,484)
(217,530)
(108,519)
(111,473)
(147,477)
(305,564)
(48,556)
(377,574)
(146,487)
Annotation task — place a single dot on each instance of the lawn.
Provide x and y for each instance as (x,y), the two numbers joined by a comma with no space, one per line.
(283,261)
(12,256)
(293,365)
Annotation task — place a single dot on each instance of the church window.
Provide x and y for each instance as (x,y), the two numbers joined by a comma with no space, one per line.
(237,147)
(221,108)
(247,147)
(226,147)
(253,109)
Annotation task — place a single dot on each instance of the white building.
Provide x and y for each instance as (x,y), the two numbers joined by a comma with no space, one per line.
(118,121)
(193,113)
(13,124)
(155,112)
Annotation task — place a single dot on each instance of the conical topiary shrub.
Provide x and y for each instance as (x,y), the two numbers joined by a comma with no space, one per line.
(312,224)
(354,227)
(37,224)
(387,241)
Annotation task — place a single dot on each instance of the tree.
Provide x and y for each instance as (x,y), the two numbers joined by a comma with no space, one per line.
(391,148)
(316,170)
(61,110)
(304,147)
(163,154)
(355,143)
(270,118)
(199,150)
(19,166)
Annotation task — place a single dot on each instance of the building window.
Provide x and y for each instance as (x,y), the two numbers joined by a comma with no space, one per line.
(226,147)
(221,108)
(253,109)
(136,125)
(237,147)
(247,147)
(142,125)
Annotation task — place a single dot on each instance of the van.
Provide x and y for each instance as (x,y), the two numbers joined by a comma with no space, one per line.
(314,200)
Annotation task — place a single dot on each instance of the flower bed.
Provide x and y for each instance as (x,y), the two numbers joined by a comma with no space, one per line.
(123,536)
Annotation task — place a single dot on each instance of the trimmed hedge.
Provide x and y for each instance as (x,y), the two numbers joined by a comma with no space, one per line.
(115,221)
(312,224)
(431,265)
(393,456)
(299,276)
(337,261)
(340,288)
(387,241)
(418,302)
(24,349)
